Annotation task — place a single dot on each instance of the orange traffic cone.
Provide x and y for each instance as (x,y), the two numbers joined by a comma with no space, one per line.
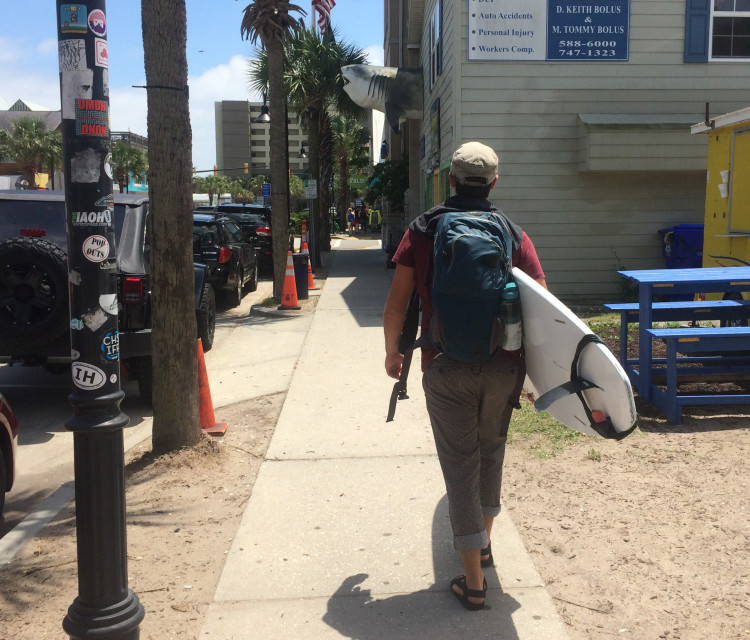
(310,282)
(206,407)
(303,235)
(289,292)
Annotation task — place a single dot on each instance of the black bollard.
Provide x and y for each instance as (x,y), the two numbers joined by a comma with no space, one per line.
(105,607)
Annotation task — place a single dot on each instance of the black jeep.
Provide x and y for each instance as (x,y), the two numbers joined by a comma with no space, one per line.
(35,320)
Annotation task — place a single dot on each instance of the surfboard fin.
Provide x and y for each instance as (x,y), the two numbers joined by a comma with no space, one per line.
(546,400)
(599,422)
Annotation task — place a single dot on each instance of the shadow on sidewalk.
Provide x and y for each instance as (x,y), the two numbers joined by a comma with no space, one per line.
(428,613)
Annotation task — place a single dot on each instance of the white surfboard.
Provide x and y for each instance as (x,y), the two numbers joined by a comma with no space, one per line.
(551,334)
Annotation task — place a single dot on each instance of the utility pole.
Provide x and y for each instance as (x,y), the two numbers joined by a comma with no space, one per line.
(105,607)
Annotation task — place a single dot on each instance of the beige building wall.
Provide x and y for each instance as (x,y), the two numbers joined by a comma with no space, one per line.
(595,157)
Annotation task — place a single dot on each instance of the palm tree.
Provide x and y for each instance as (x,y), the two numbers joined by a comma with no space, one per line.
(215,185)
(31,145)
(174,362)
(270,21)
(315,87)
(127,161)
(349,140)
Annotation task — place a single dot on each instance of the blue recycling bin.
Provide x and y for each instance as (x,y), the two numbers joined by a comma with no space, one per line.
(682,246)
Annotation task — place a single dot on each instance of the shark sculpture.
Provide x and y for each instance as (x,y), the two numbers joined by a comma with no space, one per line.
(396,91)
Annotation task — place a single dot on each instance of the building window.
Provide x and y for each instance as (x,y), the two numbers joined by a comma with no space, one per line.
(436,43)
(717,30)
(730,29)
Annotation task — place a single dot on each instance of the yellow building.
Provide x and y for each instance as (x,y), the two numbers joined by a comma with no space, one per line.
(726,240)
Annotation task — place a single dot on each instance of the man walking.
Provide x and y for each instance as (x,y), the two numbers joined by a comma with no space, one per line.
(469,403)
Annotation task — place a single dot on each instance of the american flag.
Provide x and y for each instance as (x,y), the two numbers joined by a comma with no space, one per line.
(323,7)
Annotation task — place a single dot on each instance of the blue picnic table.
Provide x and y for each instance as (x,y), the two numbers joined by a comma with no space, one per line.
(654,282)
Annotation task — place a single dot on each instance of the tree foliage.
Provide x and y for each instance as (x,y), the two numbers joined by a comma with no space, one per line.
(315,88)
(32,146)
(390,180)
(127,161)
(350,139)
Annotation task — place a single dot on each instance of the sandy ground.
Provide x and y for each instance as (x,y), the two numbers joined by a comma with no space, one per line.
(644,538)
(182,511)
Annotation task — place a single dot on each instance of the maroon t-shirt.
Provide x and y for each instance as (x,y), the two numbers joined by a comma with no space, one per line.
(415,250)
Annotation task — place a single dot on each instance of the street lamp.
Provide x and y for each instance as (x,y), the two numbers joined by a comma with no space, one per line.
(263,118)
(302,151)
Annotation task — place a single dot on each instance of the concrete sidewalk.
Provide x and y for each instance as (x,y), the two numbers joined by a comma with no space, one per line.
(346,533)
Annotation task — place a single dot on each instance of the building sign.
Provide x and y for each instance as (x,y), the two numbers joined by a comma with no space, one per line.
(507,29)
(562,30)
(588,31)
(357,180)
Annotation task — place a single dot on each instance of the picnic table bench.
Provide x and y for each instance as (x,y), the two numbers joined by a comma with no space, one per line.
(715,350)
(678,311)
(706,353)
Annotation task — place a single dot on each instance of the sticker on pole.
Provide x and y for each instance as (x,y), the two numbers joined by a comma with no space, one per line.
(87,376)
(96,248)
(98,23)
(92,118)
(73,18)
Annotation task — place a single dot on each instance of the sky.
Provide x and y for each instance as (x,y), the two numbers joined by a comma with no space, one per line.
(217,58)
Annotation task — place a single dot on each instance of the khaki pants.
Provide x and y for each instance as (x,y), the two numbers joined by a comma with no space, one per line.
(470,407)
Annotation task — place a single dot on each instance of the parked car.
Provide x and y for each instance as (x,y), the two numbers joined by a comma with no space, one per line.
(35,320)
(8,447)
(231,260)
(255,221)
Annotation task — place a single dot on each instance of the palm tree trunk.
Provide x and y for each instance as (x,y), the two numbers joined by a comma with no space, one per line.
(326,171)
(279,174)
(175,383)
(313,132)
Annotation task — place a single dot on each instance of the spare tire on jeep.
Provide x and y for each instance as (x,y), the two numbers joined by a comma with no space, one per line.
(33,294)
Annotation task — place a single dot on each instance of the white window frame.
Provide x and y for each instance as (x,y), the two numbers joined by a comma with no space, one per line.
(435,36)
(724,14)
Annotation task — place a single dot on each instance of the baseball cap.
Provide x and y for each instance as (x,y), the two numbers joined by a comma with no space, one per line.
(474,162)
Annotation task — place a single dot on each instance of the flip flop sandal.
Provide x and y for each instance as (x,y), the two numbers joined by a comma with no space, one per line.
(467,593)
(487,562)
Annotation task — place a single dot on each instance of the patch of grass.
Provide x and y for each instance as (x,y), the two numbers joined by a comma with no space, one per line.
(594,455)
(270,301)
(544,436)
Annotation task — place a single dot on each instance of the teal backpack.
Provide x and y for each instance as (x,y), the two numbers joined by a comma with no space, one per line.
(472,257)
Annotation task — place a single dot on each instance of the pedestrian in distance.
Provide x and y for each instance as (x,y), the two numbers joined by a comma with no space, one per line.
(350,220)
(469,403)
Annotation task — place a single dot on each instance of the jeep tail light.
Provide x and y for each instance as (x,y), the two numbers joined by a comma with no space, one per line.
(225,254)
(132,290)
(263,231)
(33,233)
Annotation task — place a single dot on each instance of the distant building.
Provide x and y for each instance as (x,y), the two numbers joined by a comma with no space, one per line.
(132,139)
(240,140)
